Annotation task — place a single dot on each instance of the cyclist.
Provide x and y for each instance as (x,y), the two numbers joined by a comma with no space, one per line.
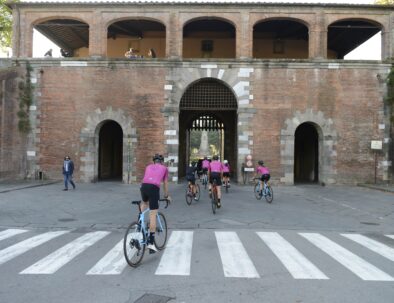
(205,166)
(215,172)
(191,177)
(226,173)
(263,172)
(155,173)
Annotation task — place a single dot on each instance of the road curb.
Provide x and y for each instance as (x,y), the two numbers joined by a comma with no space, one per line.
(385,188)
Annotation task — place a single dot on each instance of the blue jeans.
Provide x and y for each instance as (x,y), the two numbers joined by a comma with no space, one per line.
(68,178)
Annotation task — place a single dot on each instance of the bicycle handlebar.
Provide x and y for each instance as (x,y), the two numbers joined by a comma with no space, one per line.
(138,202)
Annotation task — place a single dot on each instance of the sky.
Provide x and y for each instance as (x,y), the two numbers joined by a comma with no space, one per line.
(369,50)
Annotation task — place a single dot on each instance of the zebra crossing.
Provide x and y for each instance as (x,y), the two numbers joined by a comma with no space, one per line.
(234,258)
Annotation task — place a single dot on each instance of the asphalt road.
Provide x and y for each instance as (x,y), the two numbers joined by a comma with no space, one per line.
(312,244)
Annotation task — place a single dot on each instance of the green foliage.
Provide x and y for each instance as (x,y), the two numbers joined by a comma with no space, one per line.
(25,100)
(5,24)
(384,2)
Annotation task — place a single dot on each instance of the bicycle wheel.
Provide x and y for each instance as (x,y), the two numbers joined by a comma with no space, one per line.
(257,192)
(269,194)
(197,192)
(134,244)
(161,231)
(213,201)
(189,196)
(205,181)
(226,187)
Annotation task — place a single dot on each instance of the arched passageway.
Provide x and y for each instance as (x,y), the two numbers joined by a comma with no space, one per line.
(71,36)
(346,35)
(306,154)
(208,38)
(110,151)
(140,35)
(280,39)
(208,109)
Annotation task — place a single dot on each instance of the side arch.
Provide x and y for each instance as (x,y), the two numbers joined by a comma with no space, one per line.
(327,145)
(89,139)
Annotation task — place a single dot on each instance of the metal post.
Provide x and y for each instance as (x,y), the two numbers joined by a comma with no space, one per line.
(376,164)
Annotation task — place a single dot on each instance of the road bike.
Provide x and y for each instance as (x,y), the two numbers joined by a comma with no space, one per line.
(214,196)
(137,234)
(226,185)
(266,191)
(190,195)
(204,180)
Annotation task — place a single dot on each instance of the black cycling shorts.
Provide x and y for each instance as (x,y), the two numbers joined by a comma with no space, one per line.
(217,177)
(265,177)
(226,175)
(151,193)
(191,179)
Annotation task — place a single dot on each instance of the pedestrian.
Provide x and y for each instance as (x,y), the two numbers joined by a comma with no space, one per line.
(68,170)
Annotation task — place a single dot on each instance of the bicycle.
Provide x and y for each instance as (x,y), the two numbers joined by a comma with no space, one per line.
(204,180)
(266,191)
(214,196)
(226,186)
(137,234)
(190,195)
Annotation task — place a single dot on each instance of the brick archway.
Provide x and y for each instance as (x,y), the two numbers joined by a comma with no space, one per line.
(89,140)
(327,145)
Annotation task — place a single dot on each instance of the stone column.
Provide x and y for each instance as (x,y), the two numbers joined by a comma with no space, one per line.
(16,30)
(97,36)
(245,137)
(244,38)
(318,38)
(388,39)
(174,37)
(171,135)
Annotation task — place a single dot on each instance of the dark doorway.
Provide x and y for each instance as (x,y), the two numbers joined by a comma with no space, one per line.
(110,151)
(209,106)
(306,154)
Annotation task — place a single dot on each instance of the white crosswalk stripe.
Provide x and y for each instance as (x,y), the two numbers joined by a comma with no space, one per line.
(298,266)
(113,263)
(62,256)
(5,234)
(176,258)
(390,236)
(373,245)
(354,263)
(235,260)
(22,247)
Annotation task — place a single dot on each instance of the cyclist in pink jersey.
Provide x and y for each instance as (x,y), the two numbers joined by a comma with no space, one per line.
(226,173)
(150,192)
(263,172)
(215,172)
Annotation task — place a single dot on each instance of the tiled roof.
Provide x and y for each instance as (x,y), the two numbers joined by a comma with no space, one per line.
(251,2)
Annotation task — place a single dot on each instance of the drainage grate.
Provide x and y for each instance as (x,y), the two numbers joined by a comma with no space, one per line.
(151,298)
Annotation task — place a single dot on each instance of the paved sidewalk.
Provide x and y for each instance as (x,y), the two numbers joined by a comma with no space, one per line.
(11,185)
(382,187)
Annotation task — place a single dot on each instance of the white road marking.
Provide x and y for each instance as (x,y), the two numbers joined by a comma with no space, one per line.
(373,245)
(62,256)
(296,263)
(354,263)
(235,260)
(176,259)
(10,233)
(22,247)
(112,263)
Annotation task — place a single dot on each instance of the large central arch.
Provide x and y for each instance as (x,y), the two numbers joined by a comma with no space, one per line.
(208,104)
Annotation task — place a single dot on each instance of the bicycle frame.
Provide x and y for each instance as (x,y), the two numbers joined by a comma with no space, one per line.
(141,222)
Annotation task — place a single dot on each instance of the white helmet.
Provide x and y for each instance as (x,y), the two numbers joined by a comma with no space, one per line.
(225,161)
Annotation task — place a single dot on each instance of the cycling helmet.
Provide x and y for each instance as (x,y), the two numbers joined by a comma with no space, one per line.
(193,163)
(225,161)
(215,157)
(261,162)
(205,158)
(157,158)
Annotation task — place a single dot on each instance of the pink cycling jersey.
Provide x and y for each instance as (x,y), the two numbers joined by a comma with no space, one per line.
(155,173)
(262,170)
(205,164)
(226,168)
(216,167)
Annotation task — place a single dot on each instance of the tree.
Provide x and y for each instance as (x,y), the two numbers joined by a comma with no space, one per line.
(5,24)
(385,2)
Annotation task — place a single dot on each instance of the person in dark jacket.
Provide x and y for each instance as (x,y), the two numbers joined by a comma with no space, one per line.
(68,170)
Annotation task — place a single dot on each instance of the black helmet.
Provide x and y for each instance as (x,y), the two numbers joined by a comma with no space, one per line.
(205,158)
(261,162)
(157,158)
(194,163)
(215,157)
